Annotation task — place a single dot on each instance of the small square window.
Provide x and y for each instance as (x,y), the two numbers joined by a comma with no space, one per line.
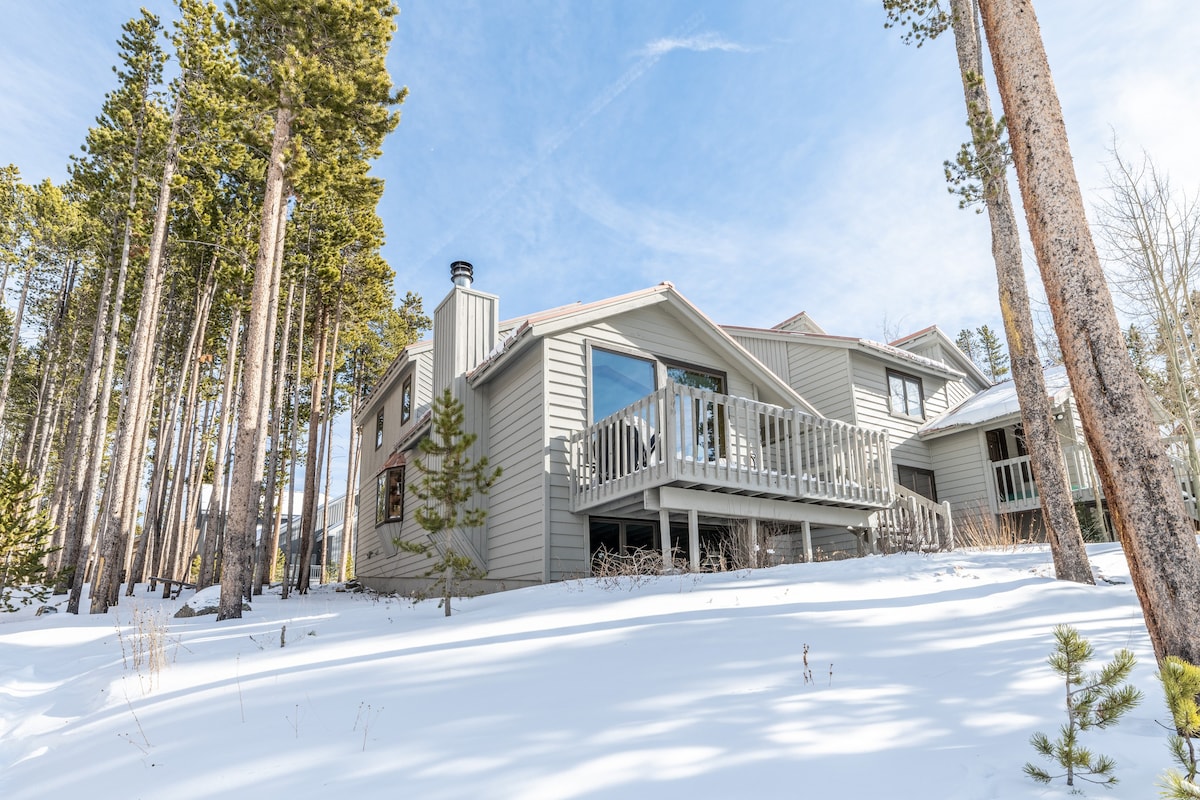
(905,395)
(389,498)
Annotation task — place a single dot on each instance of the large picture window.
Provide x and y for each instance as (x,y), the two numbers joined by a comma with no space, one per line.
(905,396)
(618,380)
(389,497)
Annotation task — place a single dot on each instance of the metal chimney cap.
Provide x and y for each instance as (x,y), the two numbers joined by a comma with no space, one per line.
(462,274)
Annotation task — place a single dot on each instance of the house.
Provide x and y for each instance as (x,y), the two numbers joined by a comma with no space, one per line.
(984,466)
(636,423)
(632,422)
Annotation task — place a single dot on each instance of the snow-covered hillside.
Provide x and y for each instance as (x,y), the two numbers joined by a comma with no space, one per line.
(925,677)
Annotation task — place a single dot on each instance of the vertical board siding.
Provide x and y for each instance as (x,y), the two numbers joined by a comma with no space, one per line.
(771,352)
(516,517)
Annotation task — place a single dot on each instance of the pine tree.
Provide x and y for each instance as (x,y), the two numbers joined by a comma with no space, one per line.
(980,175)
(1157,536)
(1181,685)
(450,480)
(1095,700)
(322,67)
(968,344)
(991,353)
(24,540)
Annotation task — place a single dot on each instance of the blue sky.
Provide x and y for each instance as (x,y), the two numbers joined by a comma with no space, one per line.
(766,157)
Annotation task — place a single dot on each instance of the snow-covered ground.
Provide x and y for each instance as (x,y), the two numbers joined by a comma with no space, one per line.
(926,676)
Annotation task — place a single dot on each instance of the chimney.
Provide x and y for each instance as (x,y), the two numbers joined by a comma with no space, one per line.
(465,329)
(462,274)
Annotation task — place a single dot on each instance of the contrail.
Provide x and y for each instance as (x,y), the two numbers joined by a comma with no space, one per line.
(610,93)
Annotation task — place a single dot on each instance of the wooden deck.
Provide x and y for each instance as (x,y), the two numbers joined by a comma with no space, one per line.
(681,436)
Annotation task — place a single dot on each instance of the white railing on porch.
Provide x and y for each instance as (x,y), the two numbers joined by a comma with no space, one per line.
(913,523)
(684,435)
(1017,491)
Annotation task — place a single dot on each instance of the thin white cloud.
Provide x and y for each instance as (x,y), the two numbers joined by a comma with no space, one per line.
(700,43)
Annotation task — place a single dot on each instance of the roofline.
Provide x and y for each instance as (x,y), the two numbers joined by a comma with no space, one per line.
(893,354)
(399,363)
(959,355)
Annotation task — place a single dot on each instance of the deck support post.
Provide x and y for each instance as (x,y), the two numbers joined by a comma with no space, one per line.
(808,551)
(752,544)
(693,540)
(664,529)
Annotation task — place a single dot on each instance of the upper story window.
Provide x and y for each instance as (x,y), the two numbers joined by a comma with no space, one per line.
(905,396)
(697,378)
(618,380)
(379,430)
(406,401)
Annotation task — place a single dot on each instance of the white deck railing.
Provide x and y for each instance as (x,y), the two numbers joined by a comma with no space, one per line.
(686,436)
(1017,491)
(913,523)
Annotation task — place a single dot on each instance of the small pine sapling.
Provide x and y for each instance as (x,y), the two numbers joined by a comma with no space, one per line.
(1094,700)
(25,533)
(450,480)
(1181,685)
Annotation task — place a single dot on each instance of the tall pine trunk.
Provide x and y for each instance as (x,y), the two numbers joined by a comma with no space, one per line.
(237,560)
(127,461)
(1145,501)
(311,467)
(269,543)
(1037,420)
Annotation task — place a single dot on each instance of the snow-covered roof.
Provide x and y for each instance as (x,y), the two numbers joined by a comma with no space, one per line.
(994,403)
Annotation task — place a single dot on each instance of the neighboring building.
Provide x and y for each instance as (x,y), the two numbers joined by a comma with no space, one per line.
(636,422)
(327,539)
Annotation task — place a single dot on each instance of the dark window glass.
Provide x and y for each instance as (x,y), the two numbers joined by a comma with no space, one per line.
(917,480)
(389,497)
(406,401)
(379,430)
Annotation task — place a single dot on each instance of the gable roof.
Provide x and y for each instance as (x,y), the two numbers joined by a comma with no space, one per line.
(948,347)
(993,404)
(885,352)
(801,323)
(394,369)
(521,334)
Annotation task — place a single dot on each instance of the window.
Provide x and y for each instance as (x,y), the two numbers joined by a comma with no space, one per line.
(904,395)
(917,480)
(389,497)
(705,417)
(379,430)
(618,380)
(997,444)
(406,401)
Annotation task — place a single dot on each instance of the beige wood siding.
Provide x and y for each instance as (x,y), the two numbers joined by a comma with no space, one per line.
(649,331)
(821,375)
(872,409)
(771,352)
(962,469)
(516,519)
